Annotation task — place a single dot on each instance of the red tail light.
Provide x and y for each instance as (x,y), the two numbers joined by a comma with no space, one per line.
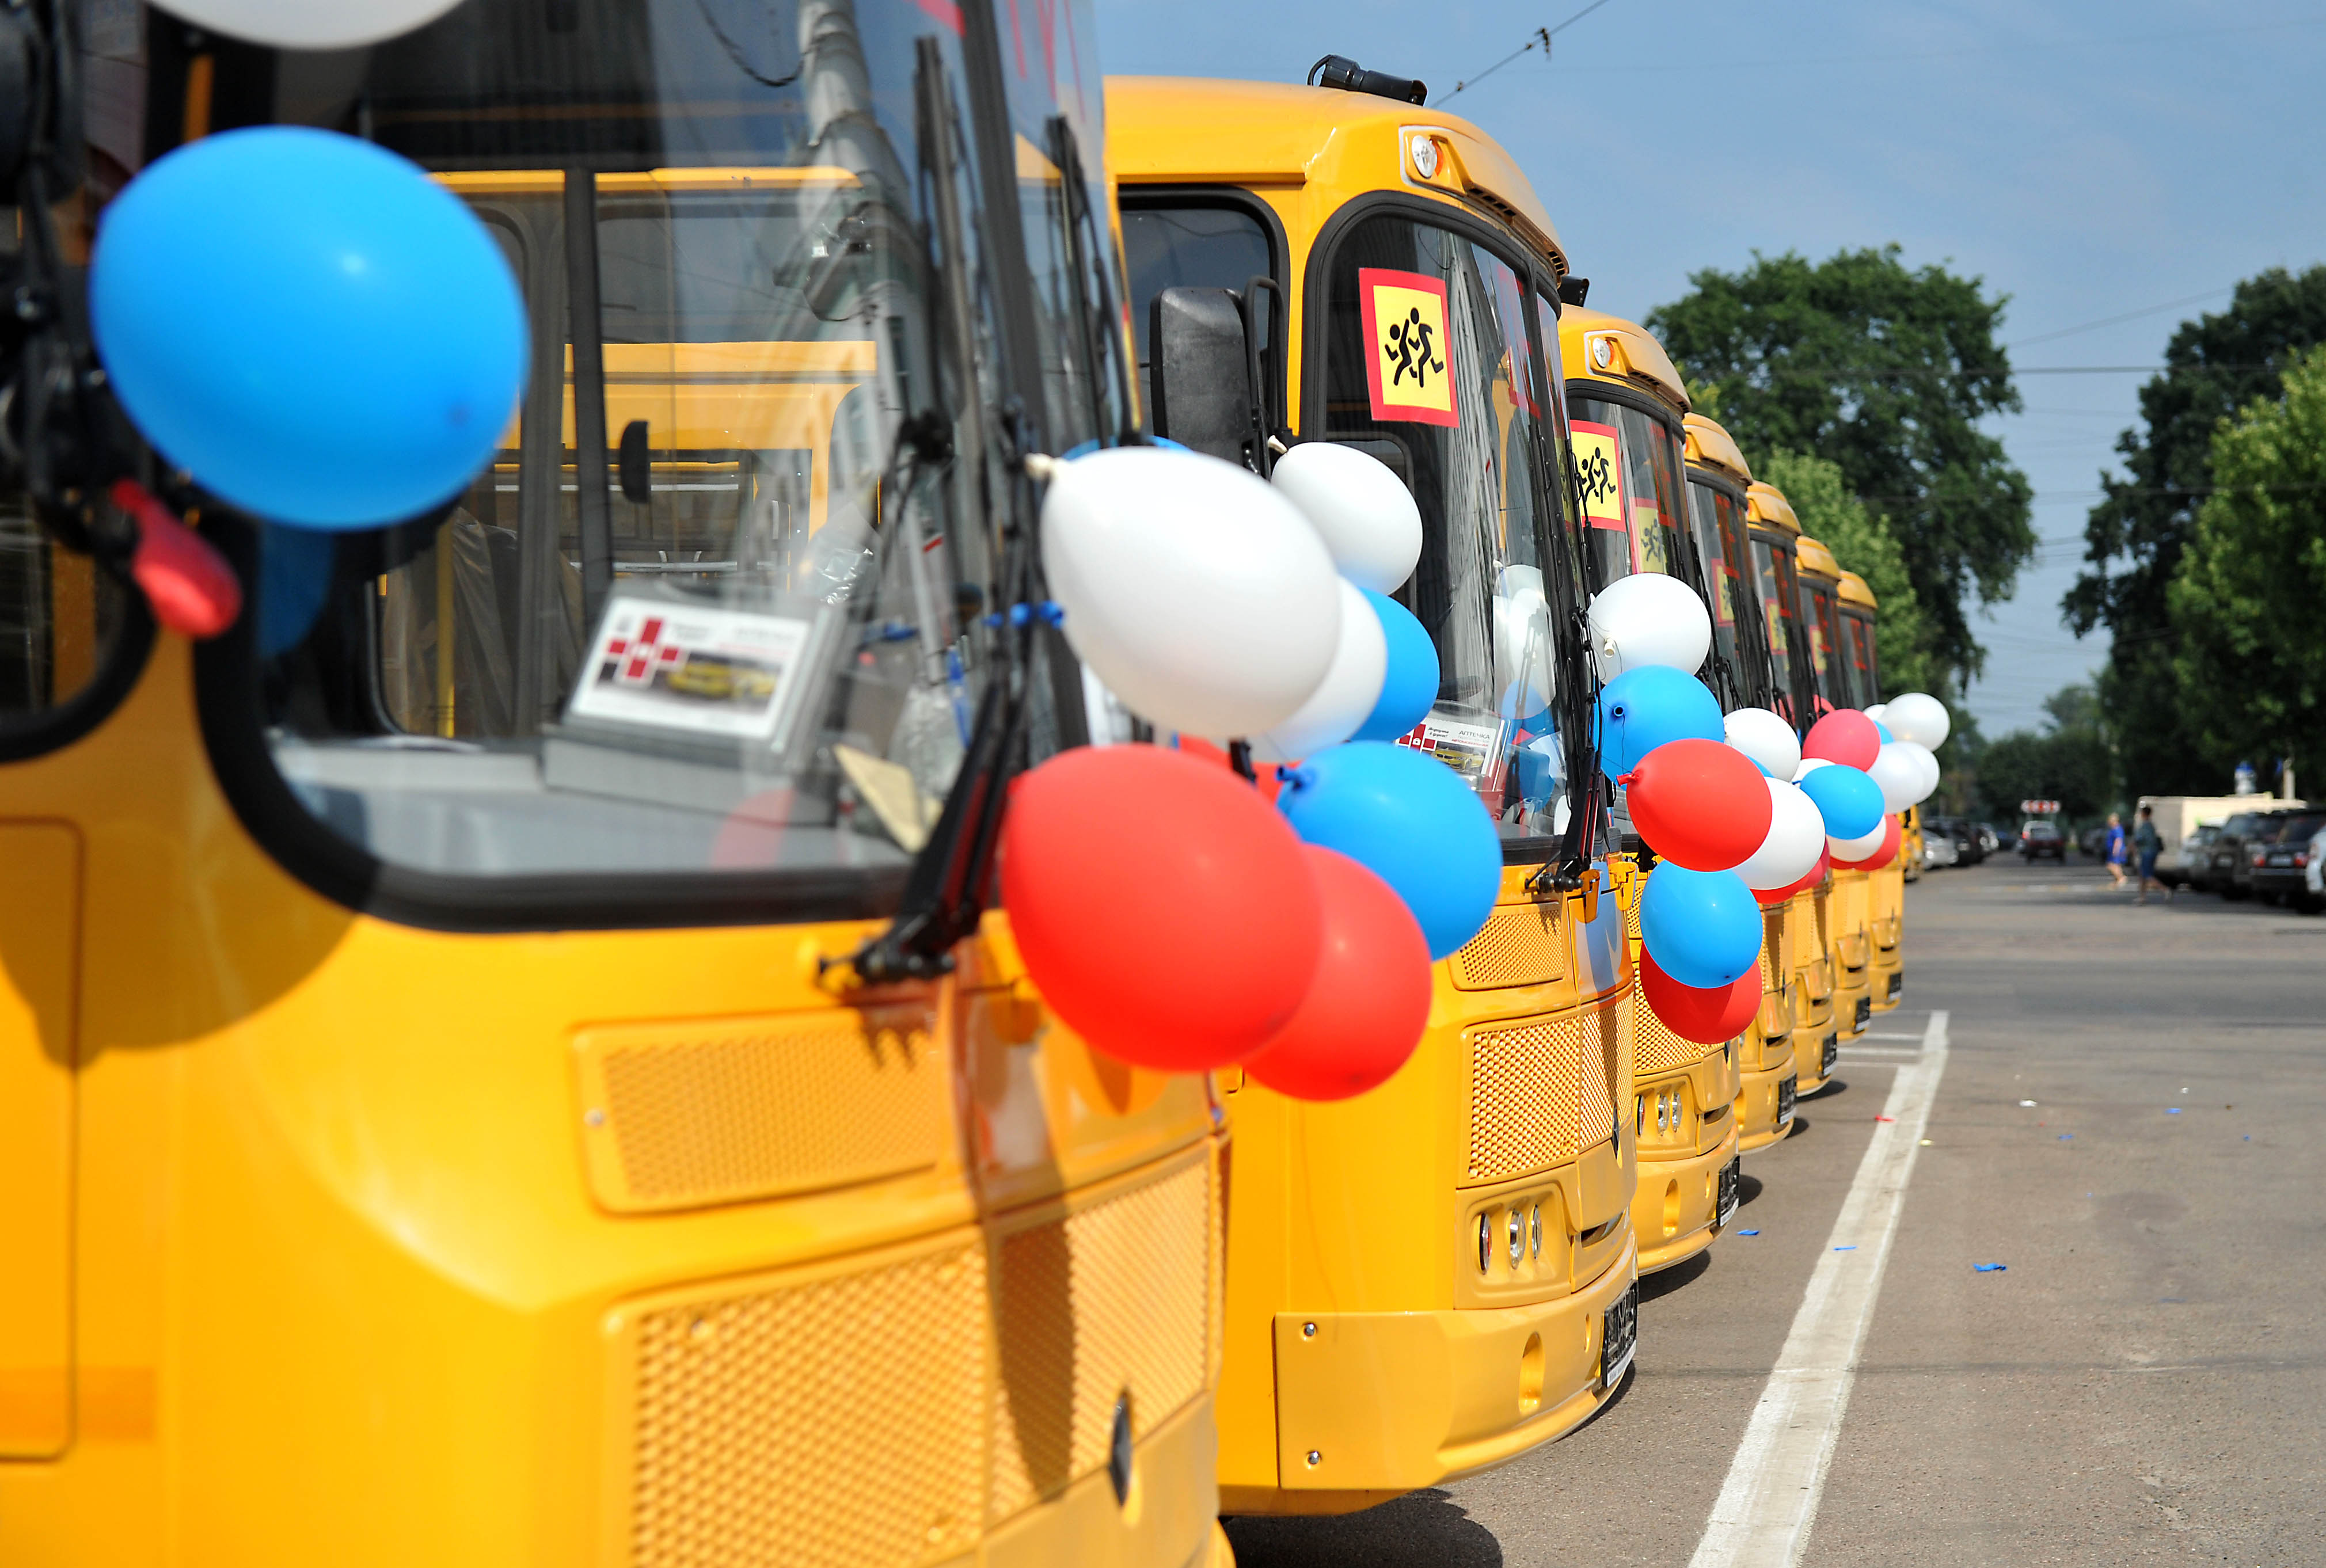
(2257,857)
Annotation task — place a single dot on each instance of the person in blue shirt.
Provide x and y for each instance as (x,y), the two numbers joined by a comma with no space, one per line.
(2115,846)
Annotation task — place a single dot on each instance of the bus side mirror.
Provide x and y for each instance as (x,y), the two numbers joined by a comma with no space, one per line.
(1203,396)
(636,463)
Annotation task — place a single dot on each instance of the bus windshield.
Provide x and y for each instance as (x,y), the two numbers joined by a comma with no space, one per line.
(1629,465)
(718,603)
(1716,519)
(1857,646)
(1825,662)
(1432,364)
(1773,579)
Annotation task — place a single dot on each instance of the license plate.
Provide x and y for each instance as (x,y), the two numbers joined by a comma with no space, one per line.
(1832,1054)
(1897,983)
(2281,860)
(1729,1174)
(1864,1014)
(1787,1091)
(1619,1336)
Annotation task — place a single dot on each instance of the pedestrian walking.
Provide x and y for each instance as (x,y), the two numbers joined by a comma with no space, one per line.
(2113,847)
(2145,843)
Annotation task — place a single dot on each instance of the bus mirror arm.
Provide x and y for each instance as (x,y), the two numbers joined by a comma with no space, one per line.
(1264,447)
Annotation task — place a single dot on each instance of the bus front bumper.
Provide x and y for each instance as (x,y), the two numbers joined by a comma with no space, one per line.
(1676,1209)
(1764,1106)
(1371,1406)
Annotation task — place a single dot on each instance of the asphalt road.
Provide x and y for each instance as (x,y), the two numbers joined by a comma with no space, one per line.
(2143,1383)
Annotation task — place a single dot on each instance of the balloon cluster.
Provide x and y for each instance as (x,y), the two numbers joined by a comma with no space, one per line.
(1739,809)
(1296,938)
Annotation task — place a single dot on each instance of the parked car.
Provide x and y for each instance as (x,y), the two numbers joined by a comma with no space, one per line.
(2007,841)
(1969,848)
(1990,842)
(2191,864)
(1938,850)
(2280,863)
(2093,841)
(2040,839)
(2230,872)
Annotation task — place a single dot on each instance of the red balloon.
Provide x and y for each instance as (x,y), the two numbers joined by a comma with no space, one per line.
(1882,856)
(1815,875)
(1699,804)
(1369,998)
(1706,1017)
(1844,736)
(1192,958)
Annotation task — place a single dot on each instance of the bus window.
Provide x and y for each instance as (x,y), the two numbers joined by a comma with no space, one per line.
(1634,503)
(1773,578)
(1430,364)
(1857,647)
(1825,662)
(1718,524)
(1191,245)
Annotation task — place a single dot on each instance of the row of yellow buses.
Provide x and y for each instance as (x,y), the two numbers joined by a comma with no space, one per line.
(510,1054)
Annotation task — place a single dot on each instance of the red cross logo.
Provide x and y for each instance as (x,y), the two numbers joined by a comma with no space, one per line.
(647,653)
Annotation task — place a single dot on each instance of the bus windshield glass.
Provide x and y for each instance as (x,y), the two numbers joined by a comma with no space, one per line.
(1431,364)
(1628,463)
(1774,582)
(717,603)
(1857,647)
(1716,521)
(1825,665)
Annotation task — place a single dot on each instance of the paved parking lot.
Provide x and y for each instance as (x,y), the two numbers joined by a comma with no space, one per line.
(2142,1382)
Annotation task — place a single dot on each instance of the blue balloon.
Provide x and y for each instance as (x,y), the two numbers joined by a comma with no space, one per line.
(1410,689)
(308,325)
(294,577)
(1412,822)
(1883,730)
(1642,709)
(1703,928)
(1849,801)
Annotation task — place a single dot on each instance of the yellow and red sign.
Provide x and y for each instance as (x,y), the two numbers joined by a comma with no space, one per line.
(1599,472)
(1410,372)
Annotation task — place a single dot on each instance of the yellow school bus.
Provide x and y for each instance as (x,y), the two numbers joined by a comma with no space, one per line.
(1720,511)
(1436,1276)
(1849,941)
(1855,612)
(469,1098)
(1799,930)
(1627,407)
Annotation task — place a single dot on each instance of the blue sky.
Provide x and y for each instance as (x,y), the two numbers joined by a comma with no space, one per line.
(2090,161)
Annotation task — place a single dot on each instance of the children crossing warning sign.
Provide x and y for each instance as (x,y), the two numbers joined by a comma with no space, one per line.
(1599,473)
(1410,372)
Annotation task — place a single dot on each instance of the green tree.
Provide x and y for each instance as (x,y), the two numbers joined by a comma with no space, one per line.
(2135,539)
(1886,371)
(2248,595)
(1863,541)
(2069,761)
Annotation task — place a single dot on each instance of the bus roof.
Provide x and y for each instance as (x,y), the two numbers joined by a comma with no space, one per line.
(1176,130)
(1593,346)
(1766,504)
(1816,560)
(1854,591)
(1711,447)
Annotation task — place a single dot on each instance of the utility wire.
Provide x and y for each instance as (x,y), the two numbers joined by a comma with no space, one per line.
(1541,39)
(2127,316)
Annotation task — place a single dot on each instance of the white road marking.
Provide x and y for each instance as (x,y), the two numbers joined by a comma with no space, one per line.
(1762,1516)
(1887,1053)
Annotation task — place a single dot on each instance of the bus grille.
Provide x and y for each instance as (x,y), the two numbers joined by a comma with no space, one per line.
(837,1424)
(884,1418)
(1518,946)
(1654,1048)
(680,1116)
(1539,1093)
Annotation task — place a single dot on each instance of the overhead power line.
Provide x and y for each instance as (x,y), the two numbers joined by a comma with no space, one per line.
(2127,316)
(1542,39)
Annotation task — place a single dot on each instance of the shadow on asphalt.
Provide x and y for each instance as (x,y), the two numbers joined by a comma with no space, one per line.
(1748,1189)
(1831,1087)
(1423,1529)
(1652,1286)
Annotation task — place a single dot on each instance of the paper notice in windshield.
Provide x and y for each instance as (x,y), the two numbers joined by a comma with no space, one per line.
(710,670)
(1478,752)
(1410,373)
(1599,471)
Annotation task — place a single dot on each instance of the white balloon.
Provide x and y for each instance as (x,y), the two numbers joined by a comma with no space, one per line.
(1649,619)
(1858,848)
(1810,765)
(1199,594)
(1366,515)
(1767,740)
(1347,695)
(1898,773)
(311,23)
(1795,839)
(1918,716)
(1876,711)
(1926,772)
